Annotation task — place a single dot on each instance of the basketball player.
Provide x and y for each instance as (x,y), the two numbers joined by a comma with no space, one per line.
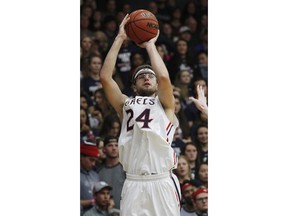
(148,125)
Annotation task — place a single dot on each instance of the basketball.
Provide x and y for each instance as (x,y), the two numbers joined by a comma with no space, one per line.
(142,26)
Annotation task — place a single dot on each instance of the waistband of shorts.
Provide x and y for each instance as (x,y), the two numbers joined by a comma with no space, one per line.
(147,177)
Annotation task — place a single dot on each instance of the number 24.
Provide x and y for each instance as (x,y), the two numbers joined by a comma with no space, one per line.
(143,117)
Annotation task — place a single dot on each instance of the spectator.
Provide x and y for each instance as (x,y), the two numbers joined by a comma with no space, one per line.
(101,45)
(96,21)
(183,82)
(101,194)
(110,8)
(191,152)
(102,155)
(112,171)
(190,9)
(181,60)
(183,121)
(84,123)
(102,104)
(167,37)
(203,43)
(136,59)
(86,50)
(185,33)
(88,177)
(202,175)
(176,19)
(163,52)
(84,26)
(187,190)
(202,141)
(110,28)
(92,82)
(183,171)
(111,126)
(86,103)
(200,202)
(202,65)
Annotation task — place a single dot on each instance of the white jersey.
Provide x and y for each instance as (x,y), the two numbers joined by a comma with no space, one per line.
(146,136)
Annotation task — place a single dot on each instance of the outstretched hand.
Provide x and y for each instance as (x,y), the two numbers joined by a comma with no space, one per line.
(201,102)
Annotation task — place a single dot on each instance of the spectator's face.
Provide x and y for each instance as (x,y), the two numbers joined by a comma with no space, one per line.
(183,167)
(102,198)
(177,105)
(111,150)
(185,77)
(191,152)
(83,103)
(86,43)
(203,59)
(115,129)
(96,64)
(202,135)
(87,162)
(83,117)
(99,98)
(137,60)
(100,148)
(187,194)
(201,202)
(160,51)
(167,29)
(182,47)
(203,172)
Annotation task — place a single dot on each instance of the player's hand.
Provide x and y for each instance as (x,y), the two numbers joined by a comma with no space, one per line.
(152,41)
(122,33)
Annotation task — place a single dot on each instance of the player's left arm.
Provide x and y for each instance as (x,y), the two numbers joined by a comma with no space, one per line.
(165,89)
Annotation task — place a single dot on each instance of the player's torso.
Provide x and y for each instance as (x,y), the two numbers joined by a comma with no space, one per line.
(146,136)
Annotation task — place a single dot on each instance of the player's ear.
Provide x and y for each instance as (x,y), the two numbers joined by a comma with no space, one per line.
(134,88)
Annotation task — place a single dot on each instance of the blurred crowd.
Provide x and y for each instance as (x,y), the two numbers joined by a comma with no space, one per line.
(183,45)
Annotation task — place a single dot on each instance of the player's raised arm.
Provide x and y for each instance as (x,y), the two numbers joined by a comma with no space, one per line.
(165,89)
(111,89)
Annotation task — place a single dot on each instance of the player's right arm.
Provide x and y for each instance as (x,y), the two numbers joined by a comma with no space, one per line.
(111,89)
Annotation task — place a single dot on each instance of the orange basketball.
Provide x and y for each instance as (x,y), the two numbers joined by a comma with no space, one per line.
(142,26)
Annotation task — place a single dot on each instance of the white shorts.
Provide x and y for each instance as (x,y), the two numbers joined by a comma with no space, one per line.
(150,195)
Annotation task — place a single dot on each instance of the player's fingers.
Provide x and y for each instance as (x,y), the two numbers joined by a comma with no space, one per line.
(124,21)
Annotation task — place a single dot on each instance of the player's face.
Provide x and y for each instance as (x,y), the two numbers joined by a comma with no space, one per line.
(146,84)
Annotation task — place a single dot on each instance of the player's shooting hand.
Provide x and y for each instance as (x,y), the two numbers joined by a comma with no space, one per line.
(122,32)
(152,41)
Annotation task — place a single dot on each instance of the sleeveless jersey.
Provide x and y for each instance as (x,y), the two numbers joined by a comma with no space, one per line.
(146,137)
